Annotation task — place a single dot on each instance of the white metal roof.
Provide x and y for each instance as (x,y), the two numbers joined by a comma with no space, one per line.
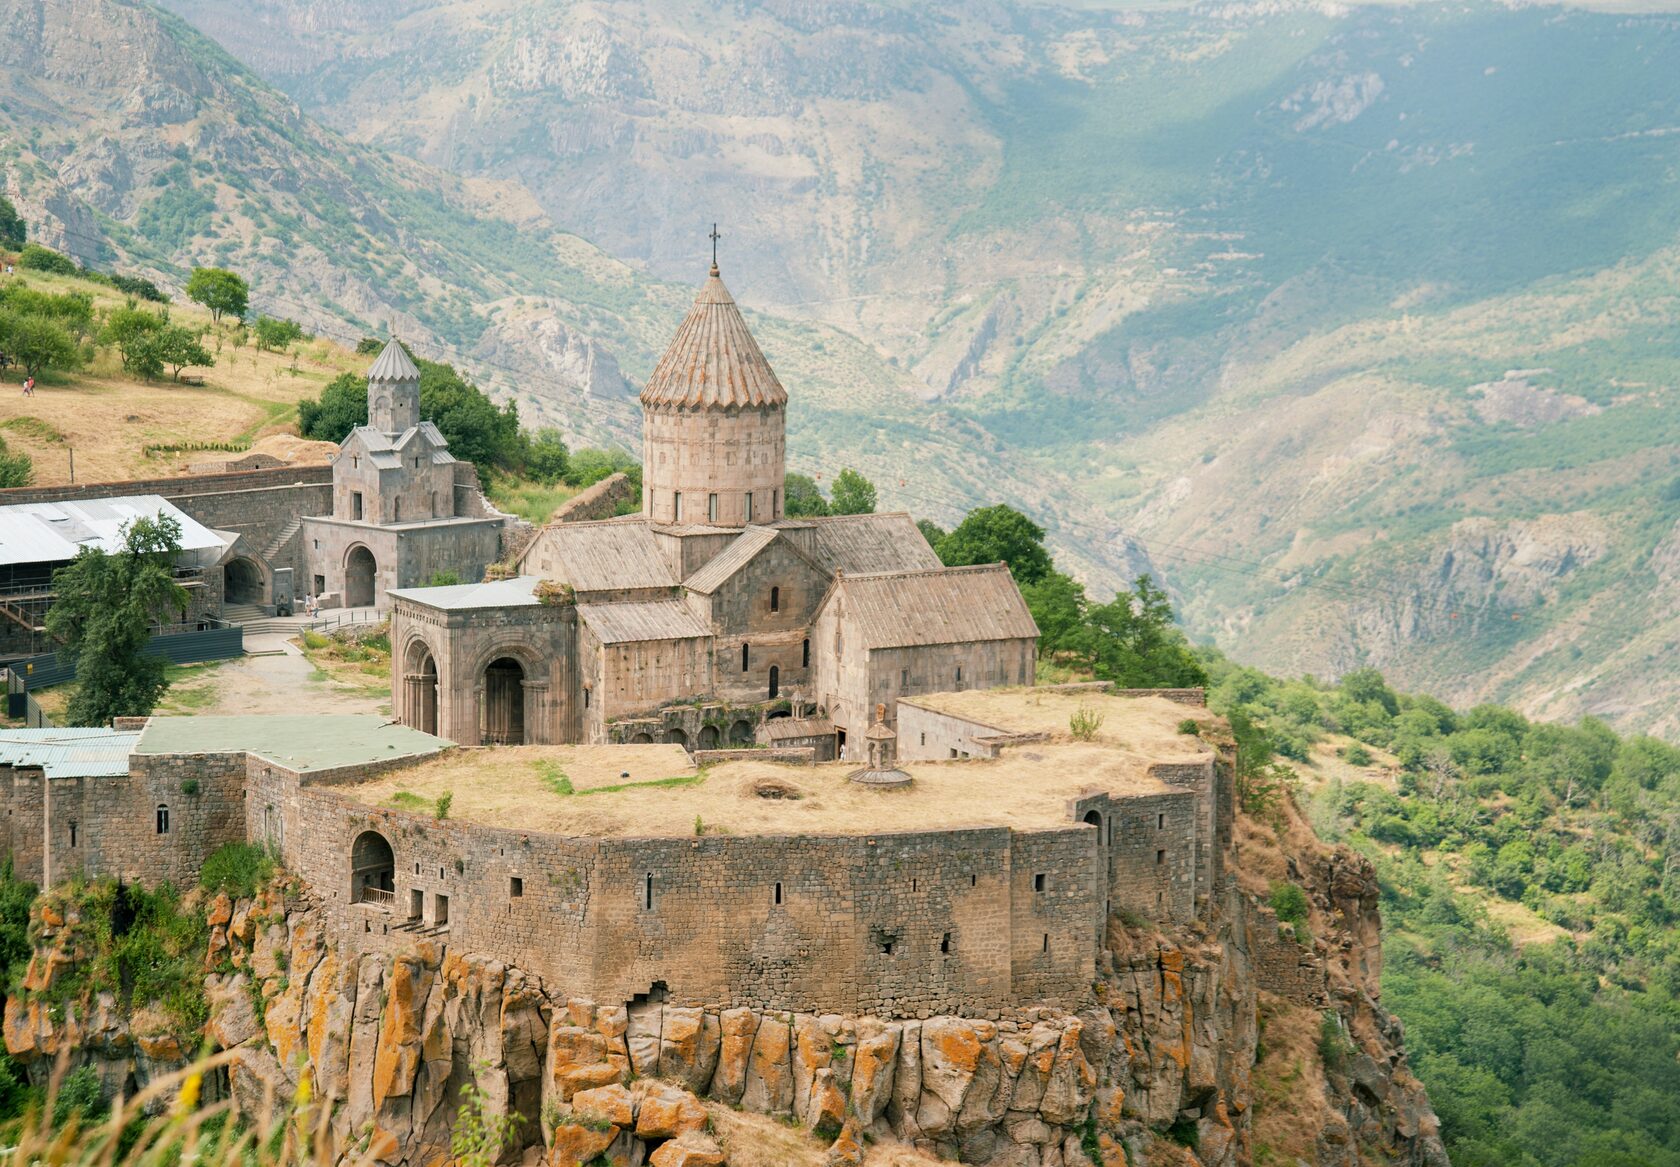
(53,532)
(501,593)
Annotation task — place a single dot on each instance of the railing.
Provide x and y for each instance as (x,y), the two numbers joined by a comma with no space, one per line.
(345,617)
(376,895)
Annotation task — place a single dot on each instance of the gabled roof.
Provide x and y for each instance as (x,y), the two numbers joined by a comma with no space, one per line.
(746,548)
(713,360)
(386,451)
(393,364)
(859,544)
(498,593)
(950,605)
(645,620)
(607,555)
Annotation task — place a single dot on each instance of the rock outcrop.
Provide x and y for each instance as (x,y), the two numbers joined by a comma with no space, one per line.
(1159,1068)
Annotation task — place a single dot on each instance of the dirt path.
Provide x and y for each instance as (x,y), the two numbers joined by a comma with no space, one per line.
(284,683)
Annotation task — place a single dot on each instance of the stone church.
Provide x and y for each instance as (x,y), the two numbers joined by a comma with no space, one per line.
(709,619)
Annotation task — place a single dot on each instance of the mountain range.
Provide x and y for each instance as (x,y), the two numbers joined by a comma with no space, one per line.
(1357,325)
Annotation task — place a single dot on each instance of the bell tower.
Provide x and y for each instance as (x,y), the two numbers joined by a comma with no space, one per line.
(393,391)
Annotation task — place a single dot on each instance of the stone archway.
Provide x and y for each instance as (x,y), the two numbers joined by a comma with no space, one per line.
(741,733)
(373,870)
(242,582)
(360,571)
(504,703)
(708,737)
(420,682)
(677,737)
(642,739)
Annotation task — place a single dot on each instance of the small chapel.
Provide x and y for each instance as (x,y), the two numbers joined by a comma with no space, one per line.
(709,619)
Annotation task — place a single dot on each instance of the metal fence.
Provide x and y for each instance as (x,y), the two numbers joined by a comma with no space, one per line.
(177,647)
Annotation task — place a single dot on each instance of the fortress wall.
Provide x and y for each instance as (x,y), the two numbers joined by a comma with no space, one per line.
(1198,776)
(600,501)
(1055,903)
(116,819)
(1282,965)
(1151,855)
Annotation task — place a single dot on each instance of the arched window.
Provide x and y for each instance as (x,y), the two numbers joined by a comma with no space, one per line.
(746,658)
(805,655)
(162,819)
(775,599)
(775,681)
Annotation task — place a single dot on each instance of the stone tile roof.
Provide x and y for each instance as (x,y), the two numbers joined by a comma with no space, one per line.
(730,560)
(387,451)
(950,605)
(607,555)
(393,364)
(713,361)
(642,620)
(858,544)
(500,593)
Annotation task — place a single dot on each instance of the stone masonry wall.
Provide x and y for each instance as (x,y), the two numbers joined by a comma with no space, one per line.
(600,501)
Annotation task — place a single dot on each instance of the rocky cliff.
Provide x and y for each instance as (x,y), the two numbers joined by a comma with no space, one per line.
(1234,1042)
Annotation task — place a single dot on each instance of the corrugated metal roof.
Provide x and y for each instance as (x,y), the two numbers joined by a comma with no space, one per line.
(50,532)
(601,556)
(393,364)
(730,560)
(501,593)
(713,360)
(69,753)
(859,544)
(952,605)
(646,620)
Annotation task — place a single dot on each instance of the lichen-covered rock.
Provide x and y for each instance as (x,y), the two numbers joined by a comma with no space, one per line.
(574,1142)
(664,1112)
(769,1088)
(689,1044)
(690,1150)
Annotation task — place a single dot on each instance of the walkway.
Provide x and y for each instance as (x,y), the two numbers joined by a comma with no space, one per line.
(273,677)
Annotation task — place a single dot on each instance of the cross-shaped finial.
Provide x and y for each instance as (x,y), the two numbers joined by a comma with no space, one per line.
(714,237)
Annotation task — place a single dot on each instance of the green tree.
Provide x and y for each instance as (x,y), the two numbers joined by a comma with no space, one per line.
(15,469)
(931,531)
(38,343)
(1136,645)
(341,407)
(802,497)
(219,290)
(140,288)
(34,257)
(74,310)
(179,348)
(133,332)
(998,534)
(853,494)
(12,230)
(1058,606)
(106,606)
(546,459)
(476,429)
(274,335)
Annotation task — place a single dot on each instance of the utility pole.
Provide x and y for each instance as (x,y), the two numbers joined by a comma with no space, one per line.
(72,465)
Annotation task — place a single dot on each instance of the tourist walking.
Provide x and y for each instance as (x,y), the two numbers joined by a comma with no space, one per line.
(29,386)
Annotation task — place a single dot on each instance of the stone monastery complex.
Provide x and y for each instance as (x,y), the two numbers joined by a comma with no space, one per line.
(705,754)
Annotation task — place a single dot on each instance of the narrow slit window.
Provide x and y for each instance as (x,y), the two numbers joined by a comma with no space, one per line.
(778,893)
(1160,858)
(945,942)
(746,657)
(162,820)
(1046,942)
(72,834)
(676,506)
(647,892)
(775,599)
(749,506)
(805,656)
(711,508)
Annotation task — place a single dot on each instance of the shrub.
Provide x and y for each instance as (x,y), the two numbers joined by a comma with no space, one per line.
(444,801)
(79,1097)
(1289,902)
(1356,755)
(142,289)
(34,257)
(1190,726)
(1085,723)
(1334,1048)
(239,869)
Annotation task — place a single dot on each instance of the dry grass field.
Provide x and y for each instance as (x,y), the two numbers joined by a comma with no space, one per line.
(105,418)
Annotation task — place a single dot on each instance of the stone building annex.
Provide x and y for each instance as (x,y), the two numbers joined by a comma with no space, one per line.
(711,615)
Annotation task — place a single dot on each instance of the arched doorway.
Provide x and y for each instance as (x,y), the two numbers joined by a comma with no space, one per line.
(708,737)
(677,737)
(741,733)
(421,678)
(373,870)
(642,739)
(242,582)
(775,682)
(359,572)
(1095,819)
(504,702)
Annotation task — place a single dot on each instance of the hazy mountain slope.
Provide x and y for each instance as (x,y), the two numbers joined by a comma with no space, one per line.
(130,140)
(1225,277)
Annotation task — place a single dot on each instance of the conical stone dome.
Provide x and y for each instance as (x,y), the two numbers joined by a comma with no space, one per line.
(713,360)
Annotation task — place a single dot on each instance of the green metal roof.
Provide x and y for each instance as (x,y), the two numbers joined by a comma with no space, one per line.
(298,742)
